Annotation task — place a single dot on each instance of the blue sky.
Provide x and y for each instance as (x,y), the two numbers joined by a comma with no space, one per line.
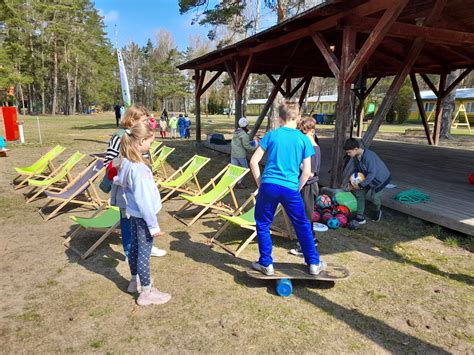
(141,19)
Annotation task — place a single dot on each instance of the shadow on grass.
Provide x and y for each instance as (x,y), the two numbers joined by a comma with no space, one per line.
(109,126)
(374,329)
(377,331)
(103,260)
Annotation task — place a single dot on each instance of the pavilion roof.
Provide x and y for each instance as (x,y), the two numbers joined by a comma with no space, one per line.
(449,41)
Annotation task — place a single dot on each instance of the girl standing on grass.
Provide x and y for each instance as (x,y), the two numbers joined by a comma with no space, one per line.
(143,204)
(134,114)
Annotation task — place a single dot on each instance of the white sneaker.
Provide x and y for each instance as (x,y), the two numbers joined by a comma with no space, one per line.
(315,269)
(267,270)
(152,296)
(134,285)
(157,251)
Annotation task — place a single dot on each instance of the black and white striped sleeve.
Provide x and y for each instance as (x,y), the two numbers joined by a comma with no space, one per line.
(113,149)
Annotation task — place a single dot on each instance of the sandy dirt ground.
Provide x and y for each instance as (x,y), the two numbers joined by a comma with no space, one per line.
(410,289)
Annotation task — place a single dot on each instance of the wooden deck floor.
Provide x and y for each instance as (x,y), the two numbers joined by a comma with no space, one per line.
(439,172)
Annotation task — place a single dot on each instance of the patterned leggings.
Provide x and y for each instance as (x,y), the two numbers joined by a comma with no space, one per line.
(140,250)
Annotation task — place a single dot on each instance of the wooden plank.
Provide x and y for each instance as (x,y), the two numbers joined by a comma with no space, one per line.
(409,31)
(297,87)
(210,82)
(455,83)
(197,105)
(274,81)
(245,74)
(304,92)
(327,53)
(428,82)
(376,36)
(421,109)
(393,91)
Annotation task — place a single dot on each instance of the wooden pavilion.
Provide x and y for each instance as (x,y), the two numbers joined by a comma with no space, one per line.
(351,40)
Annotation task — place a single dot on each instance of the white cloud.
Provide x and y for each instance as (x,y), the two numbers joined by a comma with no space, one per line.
(111,16)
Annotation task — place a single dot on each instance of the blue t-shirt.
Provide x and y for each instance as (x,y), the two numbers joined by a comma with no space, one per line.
(286,148)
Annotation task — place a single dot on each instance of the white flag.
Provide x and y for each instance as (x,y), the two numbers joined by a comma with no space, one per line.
(123,80)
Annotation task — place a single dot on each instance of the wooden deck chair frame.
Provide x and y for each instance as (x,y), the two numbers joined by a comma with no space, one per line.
(163,163)
(49,168)
(181,188)
(57,187)
(219,206)
(274,230)
(91,193)
(67,242)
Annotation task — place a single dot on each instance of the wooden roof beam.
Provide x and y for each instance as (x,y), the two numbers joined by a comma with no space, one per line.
(408,31)
(327,53)
(245,74)
(210,82)
(376,36)
(428,82)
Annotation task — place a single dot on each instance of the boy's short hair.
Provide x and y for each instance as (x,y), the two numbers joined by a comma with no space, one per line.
(289,111)
(351,144)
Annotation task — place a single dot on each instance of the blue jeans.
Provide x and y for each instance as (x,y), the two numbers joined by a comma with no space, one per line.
(268,198)
(126,229)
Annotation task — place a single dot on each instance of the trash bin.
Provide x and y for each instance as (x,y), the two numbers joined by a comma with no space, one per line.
(10,124)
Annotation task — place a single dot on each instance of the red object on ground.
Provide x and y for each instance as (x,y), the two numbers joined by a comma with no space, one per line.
(10,124)
(471,179)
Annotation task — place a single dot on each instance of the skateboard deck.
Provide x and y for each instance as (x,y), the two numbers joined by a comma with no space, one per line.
(300,271)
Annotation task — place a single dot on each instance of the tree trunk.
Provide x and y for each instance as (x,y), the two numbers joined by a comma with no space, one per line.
(274,119)
(67,108)
(22,99)
(74,92)
(55,79)
(448,104)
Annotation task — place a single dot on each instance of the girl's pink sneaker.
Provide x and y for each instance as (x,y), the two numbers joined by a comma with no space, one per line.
(152,296)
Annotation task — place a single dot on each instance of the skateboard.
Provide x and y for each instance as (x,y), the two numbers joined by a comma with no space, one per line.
(285,272)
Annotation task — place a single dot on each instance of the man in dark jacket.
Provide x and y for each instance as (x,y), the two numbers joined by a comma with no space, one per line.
(377,176)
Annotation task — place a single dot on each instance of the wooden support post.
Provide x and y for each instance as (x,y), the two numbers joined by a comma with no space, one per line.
(269,102)
(198,80)
(297,87)
(421,109)
(239,77)
(439,108)
(393,91)
(343,107)
(304,92)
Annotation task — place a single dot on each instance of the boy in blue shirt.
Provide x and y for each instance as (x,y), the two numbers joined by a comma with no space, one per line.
(287,148)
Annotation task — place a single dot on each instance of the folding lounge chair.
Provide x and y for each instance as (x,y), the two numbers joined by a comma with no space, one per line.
(181,177)
(247,221)
(38,167)
(60,175)
(106,219)
(160,160)
(154,150)
(231,174)
(81,185)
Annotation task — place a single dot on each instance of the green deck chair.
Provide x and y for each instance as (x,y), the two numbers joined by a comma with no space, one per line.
(231,174)
(38,167)
(154,150)
(247,221)
(106,219)
(61,174)
(160,160)
(181,177)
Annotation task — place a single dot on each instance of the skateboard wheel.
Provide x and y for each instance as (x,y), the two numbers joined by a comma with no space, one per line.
(284,288)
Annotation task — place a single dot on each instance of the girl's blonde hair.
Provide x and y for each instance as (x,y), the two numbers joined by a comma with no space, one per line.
(132,115)
(128,143)
(306,124)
